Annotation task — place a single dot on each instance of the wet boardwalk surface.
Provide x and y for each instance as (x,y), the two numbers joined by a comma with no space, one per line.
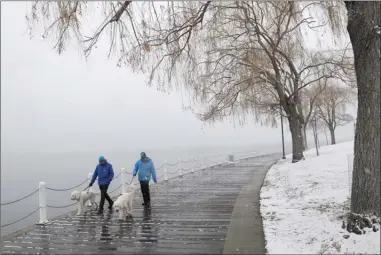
(189,215)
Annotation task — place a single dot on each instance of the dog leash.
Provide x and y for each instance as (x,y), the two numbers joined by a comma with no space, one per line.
(88,189)
(131,180)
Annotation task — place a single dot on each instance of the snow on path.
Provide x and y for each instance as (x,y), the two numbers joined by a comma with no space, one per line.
(302,205)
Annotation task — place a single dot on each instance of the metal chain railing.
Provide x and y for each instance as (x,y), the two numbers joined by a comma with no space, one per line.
(17,200)
(198,166)
(23,218)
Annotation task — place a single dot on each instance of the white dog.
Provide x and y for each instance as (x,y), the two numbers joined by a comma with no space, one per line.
(82,197)
(123,204)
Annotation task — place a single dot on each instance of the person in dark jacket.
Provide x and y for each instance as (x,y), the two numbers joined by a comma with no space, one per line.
(105,174)
(144,166)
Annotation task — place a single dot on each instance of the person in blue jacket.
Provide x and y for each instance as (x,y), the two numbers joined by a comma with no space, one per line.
(145,169)
(105,174)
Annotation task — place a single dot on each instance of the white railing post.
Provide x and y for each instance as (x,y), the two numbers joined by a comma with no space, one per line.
(210,160)
(123,180)
(202,161)
(89,176)
(42,197)
(165,171)
(179,170)
(193,164)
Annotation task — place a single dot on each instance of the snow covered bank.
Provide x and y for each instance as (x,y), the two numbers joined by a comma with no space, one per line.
(302,206)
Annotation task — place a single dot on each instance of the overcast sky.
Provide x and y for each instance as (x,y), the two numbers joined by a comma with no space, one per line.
(54,103)
(63,103)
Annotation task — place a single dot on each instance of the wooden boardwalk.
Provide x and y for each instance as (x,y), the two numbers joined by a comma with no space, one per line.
(189,215)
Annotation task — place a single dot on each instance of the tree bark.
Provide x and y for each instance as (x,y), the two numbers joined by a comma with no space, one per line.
(297,138)
(333,137)
(364,19)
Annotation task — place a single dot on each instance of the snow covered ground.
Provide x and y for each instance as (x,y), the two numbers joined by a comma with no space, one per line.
(302,206)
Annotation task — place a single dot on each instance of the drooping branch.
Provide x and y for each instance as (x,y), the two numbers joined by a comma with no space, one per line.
(91,41)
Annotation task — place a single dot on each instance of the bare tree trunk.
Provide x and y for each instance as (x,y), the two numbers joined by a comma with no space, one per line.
(333,137)
(297,138)
(364,19)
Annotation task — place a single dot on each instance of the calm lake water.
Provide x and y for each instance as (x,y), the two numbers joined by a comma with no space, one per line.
(21,174)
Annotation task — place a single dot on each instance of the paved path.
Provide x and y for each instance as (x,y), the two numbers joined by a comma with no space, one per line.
(211,211)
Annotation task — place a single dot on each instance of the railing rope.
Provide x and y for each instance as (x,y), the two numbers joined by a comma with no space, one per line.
(43,203)
(17,200)
(23,218)
(71,188)
(173,164)
(61,206)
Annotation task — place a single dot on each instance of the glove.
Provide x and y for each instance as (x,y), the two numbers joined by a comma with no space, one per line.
(134,175)
(90,185)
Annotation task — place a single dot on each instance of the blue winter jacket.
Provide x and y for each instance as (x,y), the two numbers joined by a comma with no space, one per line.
(145,170)
(105,173)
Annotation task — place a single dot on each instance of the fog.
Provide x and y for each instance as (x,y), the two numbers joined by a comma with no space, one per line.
(53,103)
(63,103)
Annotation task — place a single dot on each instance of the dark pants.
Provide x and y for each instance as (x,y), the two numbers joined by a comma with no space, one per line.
(104,196)
(144,186)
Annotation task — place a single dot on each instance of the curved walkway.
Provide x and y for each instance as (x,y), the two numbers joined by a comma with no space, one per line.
(211,211)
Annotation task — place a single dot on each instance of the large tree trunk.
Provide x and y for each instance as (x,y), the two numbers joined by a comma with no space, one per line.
(333,137)
(364,19)
(297,137)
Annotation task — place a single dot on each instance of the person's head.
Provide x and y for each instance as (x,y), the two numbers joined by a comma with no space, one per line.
(102,160)
(143,156)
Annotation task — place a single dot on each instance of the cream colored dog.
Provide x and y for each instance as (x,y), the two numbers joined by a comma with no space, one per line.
(82,197)
(123,204)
